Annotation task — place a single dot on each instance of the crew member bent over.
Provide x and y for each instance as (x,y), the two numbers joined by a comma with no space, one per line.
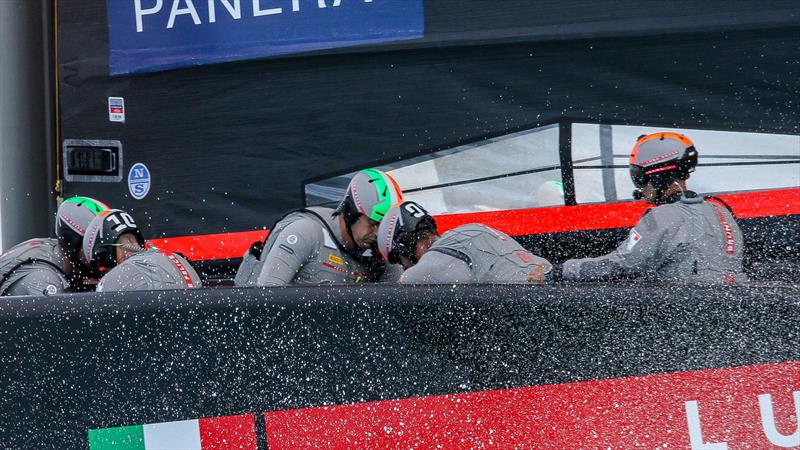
(51,266)
(318,245)
(682,239)
(472,253)
(113,243)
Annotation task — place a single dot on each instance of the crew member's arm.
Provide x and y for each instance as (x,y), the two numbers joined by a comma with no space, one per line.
(42,280)
(645,249)
(391,273)
(292,248)
(438,268)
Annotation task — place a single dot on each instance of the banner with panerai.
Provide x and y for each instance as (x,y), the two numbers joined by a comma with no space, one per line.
(153,35)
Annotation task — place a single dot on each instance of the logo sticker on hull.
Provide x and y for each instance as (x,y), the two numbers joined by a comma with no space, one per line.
(139,181)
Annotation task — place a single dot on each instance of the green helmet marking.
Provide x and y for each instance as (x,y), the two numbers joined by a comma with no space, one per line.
(90,203)
(384,195)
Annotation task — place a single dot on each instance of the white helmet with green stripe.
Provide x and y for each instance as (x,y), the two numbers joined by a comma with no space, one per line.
(371,193)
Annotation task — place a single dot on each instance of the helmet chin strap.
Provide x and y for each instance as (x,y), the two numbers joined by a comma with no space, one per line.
(129,247)
(357,250)
(683,193)
(350,234)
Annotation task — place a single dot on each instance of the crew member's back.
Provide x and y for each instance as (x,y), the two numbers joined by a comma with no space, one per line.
(151,270)
(473,253)
(51,266)
(114,246)
(682,239)
(34,267)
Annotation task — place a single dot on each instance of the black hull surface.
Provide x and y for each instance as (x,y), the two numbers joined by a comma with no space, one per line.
(90,361)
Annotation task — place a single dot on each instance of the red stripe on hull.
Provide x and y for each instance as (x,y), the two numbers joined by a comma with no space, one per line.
(211,246)
(746,205)
(676,410)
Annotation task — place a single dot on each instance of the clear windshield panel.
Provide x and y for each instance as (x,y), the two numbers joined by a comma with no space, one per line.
(525,150)
(533,190)
(518,170)
(328,192)
(728,162)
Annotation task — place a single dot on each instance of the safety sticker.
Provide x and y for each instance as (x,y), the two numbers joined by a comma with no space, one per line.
(116,109)
(633,239)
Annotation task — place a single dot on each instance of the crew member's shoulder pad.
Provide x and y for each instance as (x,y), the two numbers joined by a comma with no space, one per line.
(476,229)
(662,215)
(149,254)
(464,229)
(302,229)
(36,244)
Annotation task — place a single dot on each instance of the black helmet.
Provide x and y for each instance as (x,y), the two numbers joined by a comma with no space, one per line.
(99,244)
(371,192)
(661,159)
(72,220)
(398,233)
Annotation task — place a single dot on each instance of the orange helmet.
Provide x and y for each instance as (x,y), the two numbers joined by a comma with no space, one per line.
(661,158)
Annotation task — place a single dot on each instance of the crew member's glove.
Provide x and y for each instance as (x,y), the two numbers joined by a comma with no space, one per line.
(545,273)
(554,275)
(256,249)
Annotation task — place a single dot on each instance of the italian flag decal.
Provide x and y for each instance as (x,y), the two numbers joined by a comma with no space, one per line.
(231,432)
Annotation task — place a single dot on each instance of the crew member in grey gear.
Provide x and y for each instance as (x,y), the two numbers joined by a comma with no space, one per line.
(326,246)
(472,253)
(51,266)
(114,244)
(682,239)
